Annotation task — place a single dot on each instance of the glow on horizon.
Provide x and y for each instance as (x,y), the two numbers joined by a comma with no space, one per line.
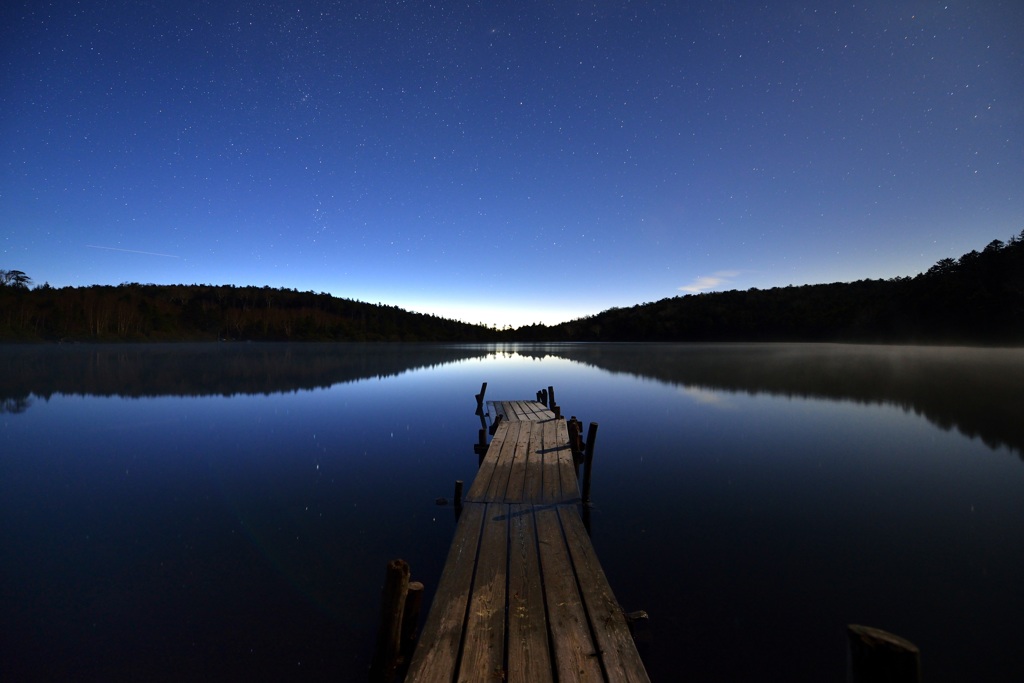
(497,316)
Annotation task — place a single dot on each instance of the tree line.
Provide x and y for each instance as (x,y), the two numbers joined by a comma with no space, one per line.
(976,299)
(149,312)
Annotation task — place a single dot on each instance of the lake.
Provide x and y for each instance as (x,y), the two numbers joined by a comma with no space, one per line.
(226,511)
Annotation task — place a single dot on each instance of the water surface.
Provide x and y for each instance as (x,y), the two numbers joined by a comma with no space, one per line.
(226,511)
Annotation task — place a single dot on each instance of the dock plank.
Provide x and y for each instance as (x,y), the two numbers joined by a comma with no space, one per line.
(529,654)
(503,459)
(445,624)
(484,648)
(575,655)
(514,492)
(614,640)
(533,485)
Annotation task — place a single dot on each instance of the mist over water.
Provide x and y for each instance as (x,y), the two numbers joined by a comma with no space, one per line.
(226,511)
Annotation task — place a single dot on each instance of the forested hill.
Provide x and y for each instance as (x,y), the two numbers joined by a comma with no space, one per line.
(978,298)
(134,312)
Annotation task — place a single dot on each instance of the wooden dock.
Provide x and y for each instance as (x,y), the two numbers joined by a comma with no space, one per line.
(523,596)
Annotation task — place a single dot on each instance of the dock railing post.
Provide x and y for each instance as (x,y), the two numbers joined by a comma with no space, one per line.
(573,427)
(410,624)
(588,461)
(389,637)
(480,399)
(497,421)
(480,447)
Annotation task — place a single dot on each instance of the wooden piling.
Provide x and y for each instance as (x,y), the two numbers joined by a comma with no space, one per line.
(876,656)
(551,398)
(458,493)
(480,399)
(386,657)
(497,421)
(573,427)
(588,461)
(410,620)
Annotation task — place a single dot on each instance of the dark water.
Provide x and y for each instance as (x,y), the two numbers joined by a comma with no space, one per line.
(226,511)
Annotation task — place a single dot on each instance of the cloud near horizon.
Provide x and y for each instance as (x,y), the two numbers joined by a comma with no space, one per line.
(705,282)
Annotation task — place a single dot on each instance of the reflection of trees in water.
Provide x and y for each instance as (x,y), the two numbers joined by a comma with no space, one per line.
(208,369)
(977,391)
(15,404)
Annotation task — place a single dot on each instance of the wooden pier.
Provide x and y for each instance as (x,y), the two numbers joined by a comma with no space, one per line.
(523,596)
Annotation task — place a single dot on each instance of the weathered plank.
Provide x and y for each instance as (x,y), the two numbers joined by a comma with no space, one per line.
(533,485)
(532,411)
(484,649)
(503,458)
(488,467)
(550,450)
(614,641)
(514,492)
(529,655)
(575,655)
(438,649)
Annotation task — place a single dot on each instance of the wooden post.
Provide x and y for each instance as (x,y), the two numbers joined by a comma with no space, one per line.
(458,493)
(573,427)
(392,606)
(588,461)
(551,398)
(480,399)
(480,447)
(497,421)
(411,620)
(875,656)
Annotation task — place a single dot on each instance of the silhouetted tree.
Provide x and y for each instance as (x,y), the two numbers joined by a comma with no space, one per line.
(14,278)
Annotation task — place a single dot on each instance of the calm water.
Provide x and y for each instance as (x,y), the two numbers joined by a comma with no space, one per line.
(227,511)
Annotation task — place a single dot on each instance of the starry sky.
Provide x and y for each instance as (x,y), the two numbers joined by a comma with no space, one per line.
(506,162)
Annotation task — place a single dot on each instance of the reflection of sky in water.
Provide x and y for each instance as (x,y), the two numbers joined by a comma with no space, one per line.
(705,396)
(259,526)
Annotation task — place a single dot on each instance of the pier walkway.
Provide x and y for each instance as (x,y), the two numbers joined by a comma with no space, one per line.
(523,597)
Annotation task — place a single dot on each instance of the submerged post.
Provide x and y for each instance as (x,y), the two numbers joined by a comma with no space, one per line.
(876,656)
(386,658)
(588,461)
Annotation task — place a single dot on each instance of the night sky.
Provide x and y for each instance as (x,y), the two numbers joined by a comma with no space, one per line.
(506,162)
